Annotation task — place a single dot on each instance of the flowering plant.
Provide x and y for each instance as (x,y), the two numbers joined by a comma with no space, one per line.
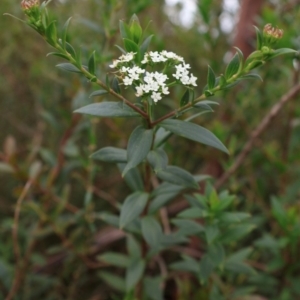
(151,75)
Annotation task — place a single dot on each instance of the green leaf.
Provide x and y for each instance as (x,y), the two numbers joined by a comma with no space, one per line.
(114,281)
(281,51)
(109,218)
(161,200)
(162,195)
(107,109)
(139,145)
(188,227)
(178,176)
(235,262)
(124,30)
(110,154)
(193,132)
(153,288)
(240,268)
(161,136)
(70,50)
(211,78)
(64,33)
(133,248)
(145,45)
(185,99)
(133,178)
(239,256)
(232,67)
(206,268)
(205,104)
(250,76)
(259,38)
(68,67)
(152,231)
(51,34)
(233,217)
(211,233)
(98,93)
(58,54)
(134,273)
(236,232)
(91,64)
(188,264)
(132,207)
(135,29)
(158,159)
(115,259)
(216,252)
(241,59)
(115,85)
(191,213)
(173,239)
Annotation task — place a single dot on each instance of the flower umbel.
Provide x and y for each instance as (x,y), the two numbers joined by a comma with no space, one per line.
(153,84)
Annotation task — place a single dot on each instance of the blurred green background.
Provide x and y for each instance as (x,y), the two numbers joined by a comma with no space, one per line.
(37,128)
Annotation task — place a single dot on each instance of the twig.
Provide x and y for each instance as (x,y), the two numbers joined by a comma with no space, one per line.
(19,268)
(256,133)
(165,220)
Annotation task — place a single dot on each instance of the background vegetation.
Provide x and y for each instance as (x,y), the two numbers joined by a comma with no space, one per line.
(45,154)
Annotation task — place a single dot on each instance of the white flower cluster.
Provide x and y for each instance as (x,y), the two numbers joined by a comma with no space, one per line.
(182,74)
(163,56)
(123,59)
(152,84)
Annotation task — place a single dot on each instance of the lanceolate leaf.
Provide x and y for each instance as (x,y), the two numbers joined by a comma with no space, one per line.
(51,33)
(158,159)
(250,76)
(68,67)
(107,109)
(64,33)
(177,176)
(211,78)
(139,145)
(193,132)
(133,178)
(115,85)
(124,30)
(132,207)
(232,67)
(185,98)
(91,65)
(134,273)
(259,38)
(111,154)
(98,93)
(152,231)
(281,52)
(145,44)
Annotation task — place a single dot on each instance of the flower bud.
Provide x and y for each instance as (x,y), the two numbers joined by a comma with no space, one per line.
(272,34)
(28,4)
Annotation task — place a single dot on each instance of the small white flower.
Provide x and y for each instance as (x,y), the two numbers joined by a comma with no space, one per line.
(127,57)
(165,90)
(192,80)
(127,80)
(114,64)
(139,90)
(156,96)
